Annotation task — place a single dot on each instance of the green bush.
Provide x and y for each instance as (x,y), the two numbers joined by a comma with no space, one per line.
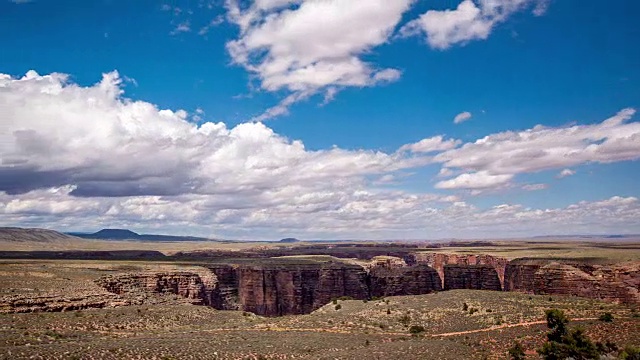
(630,353)
(516,352)
(416,329)
(606,317)
(563,343)
(338,307)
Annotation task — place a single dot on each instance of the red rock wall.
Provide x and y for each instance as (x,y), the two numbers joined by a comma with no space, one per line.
(408,280)
(439,260)
(297,289)
(616,284)
(476,277)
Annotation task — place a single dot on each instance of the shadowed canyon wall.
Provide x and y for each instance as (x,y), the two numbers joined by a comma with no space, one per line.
(274,289)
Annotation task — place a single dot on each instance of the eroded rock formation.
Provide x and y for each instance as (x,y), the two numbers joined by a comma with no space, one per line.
(438,261)
(475,277)
(273,288)
(617,283)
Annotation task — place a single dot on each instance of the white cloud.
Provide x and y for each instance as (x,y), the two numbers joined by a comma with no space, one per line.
(495,159)
(306,46)
(182,28)
(432,144)
(57,133)
(534,187)
(469,21)
(462,117)
(565,173)
(83,158)
(477,180)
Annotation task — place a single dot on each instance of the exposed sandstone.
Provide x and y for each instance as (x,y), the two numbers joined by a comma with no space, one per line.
(617,284)
(274,290)
(476,277)
(186,284)
(408,280)
(438,261)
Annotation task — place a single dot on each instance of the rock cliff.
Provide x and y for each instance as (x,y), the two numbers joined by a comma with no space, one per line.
(438,261)
(199,289)
(272,288)
(616,283)
(476,277)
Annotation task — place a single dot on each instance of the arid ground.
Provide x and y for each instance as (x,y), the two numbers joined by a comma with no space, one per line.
(54,309)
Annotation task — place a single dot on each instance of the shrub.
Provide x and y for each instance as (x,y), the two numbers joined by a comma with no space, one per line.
(606,317)
(338,307)
(489,310)
(388,311)
(405,319)
(334,301)
(630,353)
(465,307)
(516,352)
(416,329)
(565,344)
(472,311)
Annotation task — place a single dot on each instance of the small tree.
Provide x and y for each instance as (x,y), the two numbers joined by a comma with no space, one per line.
(606,317)
(564,344)
(557,322)
(516,352)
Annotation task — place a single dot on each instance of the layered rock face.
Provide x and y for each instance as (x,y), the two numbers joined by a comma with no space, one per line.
(273,288)
(616,283)
(476,277)
(186,284)
(438,261)
(408,280)
(225,295)
(297,289)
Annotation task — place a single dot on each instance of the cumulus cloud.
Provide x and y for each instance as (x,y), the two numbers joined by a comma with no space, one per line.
(462,117)
(304,46)
(564,173)
(82,158)
(534,187)
(477,180)
(495,159)
(57,133)
(469,21)
(432,144)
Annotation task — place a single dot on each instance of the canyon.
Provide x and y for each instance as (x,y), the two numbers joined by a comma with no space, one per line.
(276,287)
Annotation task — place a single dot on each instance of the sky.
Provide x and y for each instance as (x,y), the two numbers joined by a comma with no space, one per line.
(321,119)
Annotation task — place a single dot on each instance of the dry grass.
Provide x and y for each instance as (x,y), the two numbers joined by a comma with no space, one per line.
(167,328)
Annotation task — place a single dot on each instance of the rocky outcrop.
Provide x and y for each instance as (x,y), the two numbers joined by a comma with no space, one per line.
(274,287)
(225,295)
(274,290)
(616,283)
(408,280)
(57,303)
(476,277)
(186,284)
(438,261)
(520,274)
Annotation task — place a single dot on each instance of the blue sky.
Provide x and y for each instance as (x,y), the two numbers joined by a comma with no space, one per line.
(365,79)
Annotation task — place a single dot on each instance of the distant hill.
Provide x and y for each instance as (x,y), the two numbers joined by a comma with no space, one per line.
(13,234)
(289,240)
(125,234)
